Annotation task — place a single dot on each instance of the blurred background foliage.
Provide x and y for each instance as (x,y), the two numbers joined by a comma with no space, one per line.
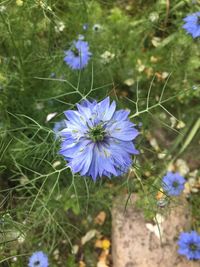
(140,54)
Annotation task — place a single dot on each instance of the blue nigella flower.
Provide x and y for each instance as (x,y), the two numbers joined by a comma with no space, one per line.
(189,245)
(192,25)
(58,126)
(38,259)
(173,183)
(85,26)
(78,56)
(98,140)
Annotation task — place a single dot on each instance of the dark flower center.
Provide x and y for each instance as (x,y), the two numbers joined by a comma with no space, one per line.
(193,246)
(175,184)
(96,28)
(198,20)
(75,51)
(97,133)
(36,263)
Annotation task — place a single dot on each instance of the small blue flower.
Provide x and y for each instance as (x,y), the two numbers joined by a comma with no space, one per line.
(192,25)
(78,56)
(85,26)
(173,183)
(98,140)
(189,245)
(38,259)
(53,75)
(58,126)
(194,87)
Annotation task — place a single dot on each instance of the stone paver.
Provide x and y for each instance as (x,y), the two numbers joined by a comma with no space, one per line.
(136,245)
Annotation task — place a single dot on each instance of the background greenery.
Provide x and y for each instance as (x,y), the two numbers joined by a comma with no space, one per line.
(154,71)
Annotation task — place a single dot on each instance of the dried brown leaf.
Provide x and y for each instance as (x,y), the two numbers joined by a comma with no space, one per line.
(100,218)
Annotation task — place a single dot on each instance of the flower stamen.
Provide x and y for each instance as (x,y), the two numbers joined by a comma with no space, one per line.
(175,184)
(75,51)
(36,263)
(193,246)
(97,133)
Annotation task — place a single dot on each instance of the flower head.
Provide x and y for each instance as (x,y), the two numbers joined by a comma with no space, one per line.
(98,139)
(189,245)
(85,26)
(97,27)
(192,24)
(59,27)
(38,259)
(106,57)
(78,55)
(173,183)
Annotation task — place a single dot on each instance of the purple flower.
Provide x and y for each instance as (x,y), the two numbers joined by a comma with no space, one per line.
(78,56)
(38,259)
(85,26)
(98,140)
(192,25)
(189,245)
(173,183)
